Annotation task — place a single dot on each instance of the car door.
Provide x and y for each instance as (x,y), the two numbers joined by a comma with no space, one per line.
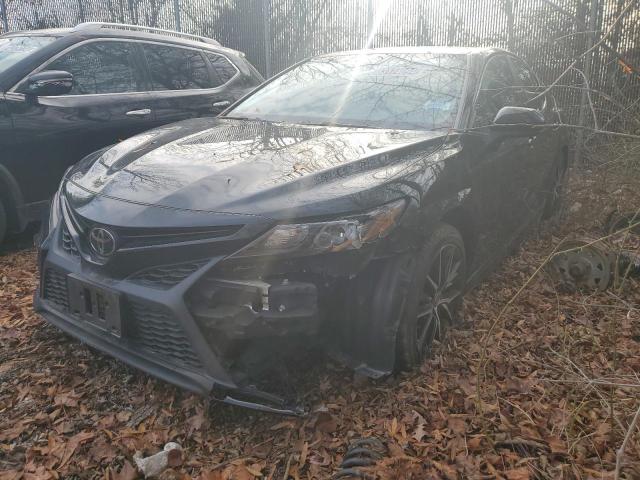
(188,82)
(6,140)
(494,158)
(5,121)
(107,104)
(543,142)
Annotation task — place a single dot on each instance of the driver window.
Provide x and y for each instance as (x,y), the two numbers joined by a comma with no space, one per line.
(496,91)
(101,67)
(528,90)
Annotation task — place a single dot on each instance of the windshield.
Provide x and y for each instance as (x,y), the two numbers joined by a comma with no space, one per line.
(382,90)
(14,49)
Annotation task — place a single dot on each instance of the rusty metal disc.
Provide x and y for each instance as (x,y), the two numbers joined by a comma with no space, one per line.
(582,264)
(618,221)
(627,242)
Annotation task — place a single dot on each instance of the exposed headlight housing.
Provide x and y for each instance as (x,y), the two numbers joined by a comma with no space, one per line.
(55,214)
(326,237)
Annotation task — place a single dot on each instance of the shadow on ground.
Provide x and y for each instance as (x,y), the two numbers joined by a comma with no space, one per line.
(17,242)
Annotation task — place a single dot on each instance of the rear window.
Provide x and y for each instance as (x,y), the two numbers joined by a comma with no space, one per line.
(223,70)
(14,49)
(173,68)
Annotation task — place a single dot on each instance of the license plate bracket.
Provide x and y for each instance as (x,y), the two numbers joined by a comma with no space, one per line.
(97,305)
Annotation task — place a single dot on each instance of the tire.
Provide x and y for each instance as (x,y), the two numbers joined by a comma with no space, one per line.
(422,321)
(3,222)
(556,189)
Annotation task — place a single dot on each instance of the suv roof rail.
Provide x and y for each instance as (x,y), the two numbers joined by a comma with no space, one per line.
(144,29)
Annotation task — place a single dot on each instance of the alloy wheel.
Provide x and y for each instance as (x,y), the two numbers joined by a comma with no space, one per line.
(439,297)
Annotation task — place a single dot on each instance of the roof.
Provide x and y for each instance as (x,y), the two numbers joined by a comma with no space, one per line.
(47,32)
(105,27)
(101,29)
(438,50)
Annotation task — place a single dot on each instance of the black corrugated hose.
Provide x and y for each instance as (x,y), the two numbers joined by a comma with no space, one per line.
(365,452)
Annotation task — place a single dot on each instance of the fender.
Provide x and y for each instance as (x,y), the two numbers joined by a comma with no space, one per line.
(376,302)
(375,299)
(455,209)
(458,214)
(11,194)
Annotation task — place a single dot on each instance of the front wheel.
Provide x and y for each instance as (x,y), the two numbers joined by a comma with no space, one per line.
(556,189)
(434,299)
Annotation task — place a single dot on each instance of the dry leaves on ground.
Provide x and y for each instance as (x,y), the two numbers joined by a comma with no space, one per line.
(558,386)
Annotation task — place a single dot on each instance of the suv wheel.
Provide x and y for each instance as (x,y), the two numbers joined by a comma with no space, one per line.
(435,298)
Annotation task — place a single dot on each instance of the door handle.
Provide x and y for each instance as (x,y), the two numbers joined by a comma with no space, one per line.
(222,104)
(145,112)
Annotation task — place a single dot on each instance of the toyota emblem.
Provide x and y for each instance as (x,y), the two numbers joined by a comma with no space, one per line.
(102,241)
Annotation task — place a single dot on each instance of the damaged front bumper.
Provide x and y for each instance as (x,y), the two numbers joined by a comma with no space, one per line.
(191,324)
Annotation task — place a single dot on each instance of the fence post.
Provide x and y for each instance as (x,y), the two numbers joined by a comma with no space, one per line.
(176,14)
(584,98)
(266,14)
(132,18)
(509,8)
(121,11)
(370,25)
(5,20)
(81,11)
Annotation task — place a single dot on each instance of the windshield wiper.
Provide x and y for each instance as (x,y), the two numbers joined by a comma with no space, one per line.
(343,125)
(238,118)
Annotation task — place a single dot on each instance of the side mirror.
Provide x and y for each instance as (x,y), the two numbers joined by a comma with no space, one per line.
(49,83)
(519,116)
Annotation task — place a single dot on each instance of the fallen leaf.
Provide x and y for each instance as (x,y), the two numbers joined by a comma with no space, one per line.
(128,472)
(518,474)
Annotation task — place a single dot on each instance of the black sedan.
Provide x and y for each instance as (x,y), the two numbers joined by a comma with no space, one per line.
(352,199)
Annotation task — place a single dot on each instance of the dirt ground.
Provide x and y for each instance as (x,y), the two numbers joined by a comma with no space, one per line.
(546,389)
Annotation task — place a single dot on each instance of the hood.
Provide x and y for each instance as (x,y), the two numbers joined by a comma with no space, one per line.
(251,167)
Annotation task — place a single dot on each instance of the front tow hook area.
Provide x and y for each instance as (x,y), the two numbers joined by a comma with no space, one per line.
(254,399)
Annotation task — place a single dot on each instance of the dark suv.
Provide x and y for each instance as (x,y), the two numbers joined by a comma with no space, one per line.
(67,92)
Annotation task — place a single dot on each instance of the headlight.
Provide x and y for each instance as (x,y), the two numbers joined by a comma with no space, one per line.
(324,237)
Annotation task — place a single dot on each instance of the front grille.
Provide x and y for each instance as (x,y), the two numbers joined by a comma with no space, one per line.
(55,288)
(148,237)
(155,330)
(129,237)
(149,327)
(137,237)
(68,245)
(166,276)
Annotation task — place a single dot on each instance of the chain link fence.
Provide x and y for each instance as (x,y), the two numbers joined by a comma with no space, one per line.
(275,34)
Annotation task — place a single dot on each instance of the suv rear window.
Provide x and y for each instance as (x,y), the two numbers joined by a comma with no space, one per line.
(101,67)
(223,70)
(174,68)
